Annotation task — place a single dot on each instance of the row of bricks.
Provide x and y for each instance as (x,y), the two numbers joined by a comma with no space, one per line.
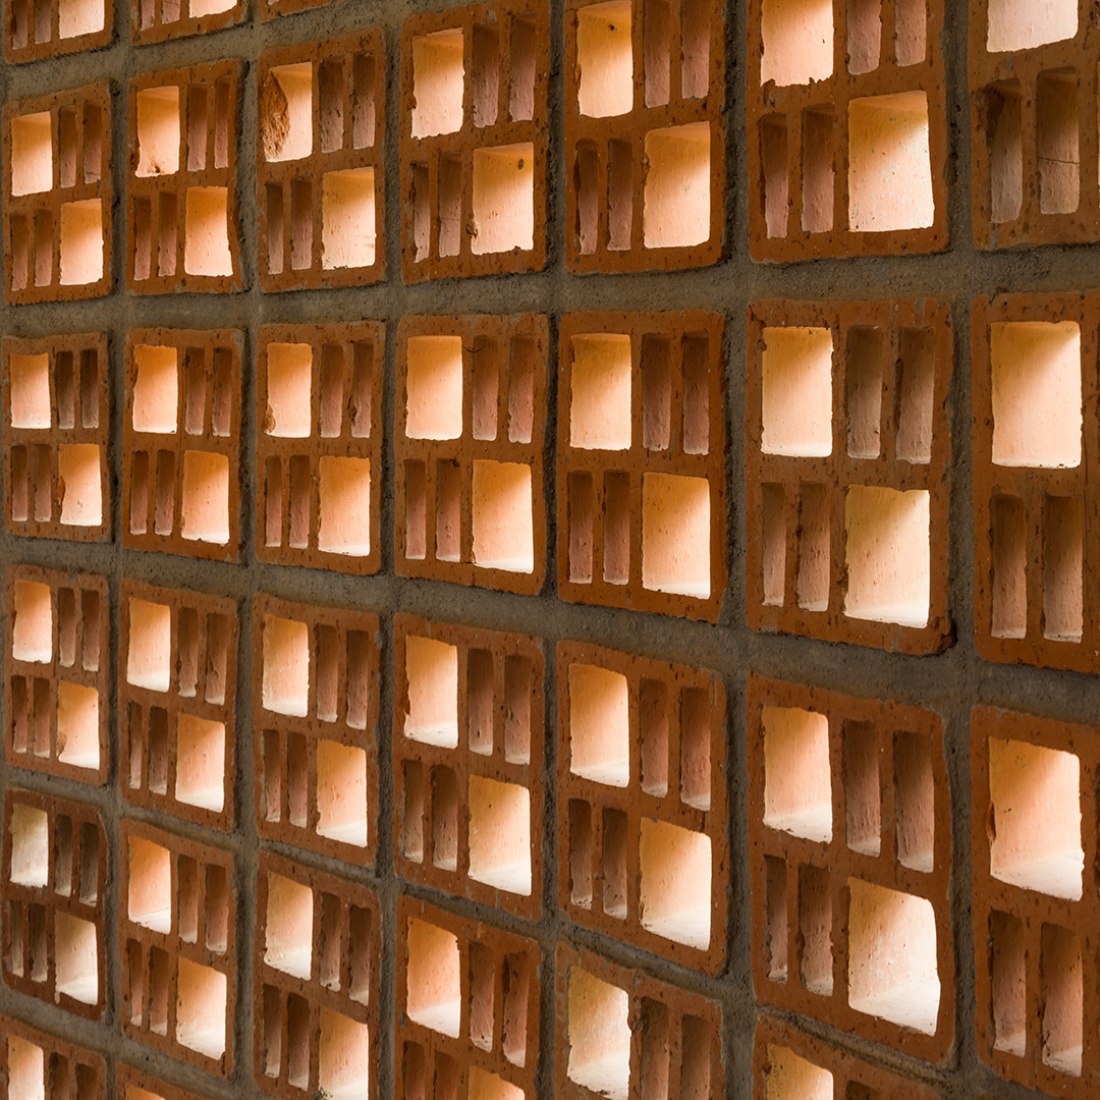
(849,830)
(847,446)
(839,162)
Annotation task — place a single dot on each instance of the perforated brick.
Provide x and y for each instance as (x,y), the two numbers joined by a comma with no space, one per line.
(850,857)
(847,129)
(319,445)
(318,951)
(164,20)
(847,450)
(470,429)
(181,221)
(37,1063)
(641,492)
(468,762)
(641,794)
(319,149)
(623,1033)
(181,473)
(56,669)
(1035,899)
(1036,456)
(54,904)
(177,686)
(178,946)
(467,1008)
(55,428)
(645,134)
(474,104)
(315,695)
(36,30)
(58,196)
(133,1084)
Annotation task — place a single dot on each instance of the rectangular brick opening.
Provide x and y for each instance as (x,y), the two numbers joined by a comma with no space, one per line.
(798,783)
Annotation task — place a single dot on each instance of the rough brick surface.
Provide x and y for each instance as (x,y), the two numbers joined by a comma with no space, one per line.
(177,686)
(641,793)
(315,692)
(848,444)
(164,20)
(850,857)
(35,30)
(468,762)
(474,110)
(181,480)
(319,149)
(56,663)
(54,901)
(641,462)
(133,1084)
(470,426)
(58,196)
(319,445)
(55,429)
(37,1063)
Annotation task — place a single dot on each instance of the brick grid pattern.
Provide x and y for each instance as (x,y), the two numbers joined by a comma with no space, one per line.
(163,20)
(34,1062)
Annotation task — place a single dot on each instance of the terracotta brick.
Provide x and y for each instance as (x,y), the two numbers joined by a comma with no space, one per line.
(467,1011)
(623,1033)
(318,952)
(58,196)
(641,795)
(37,30)
(847,451)
(645,134)
(177,687)
(37,1063)
(181,224)
(54,904)
(315,695)
(55,435)
(474,151)
(56,669)
(181,475)
(1035,900)
(1033,126)
(847,129)
(1036,460)
(319,445)
(319,155)
(133,1084)
(850,858)
(164,20)
(788,1064)
(470,428)
(178,946)
(641,446)
(468,762)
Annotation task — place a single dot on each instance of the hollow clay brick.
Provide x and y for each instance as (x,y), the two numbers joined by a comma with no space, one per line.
(318,952)
(624,1033)
(319,150)
(181,476)
(474,151)
(57,196)
(470,426)
(1035,900)
(847,129)
(55,432)
(133,1084)
(37,30)
(178,946)
(641,795)
(319,445)
(850,859)
(467,1007)
(468,762)
(1033,123)
(165,20)
(177,687)
(181,219)
(37,1063)
(56,672)
(789,1064)
(847,449)
(54,904)
(644,134)
(641,447)
(1036,461)
(315,701)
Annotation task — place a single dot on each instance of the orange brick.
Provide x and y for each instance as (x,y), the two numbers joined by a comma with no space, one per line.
(133,1084)
(36,30)
(164,20)
(36,1063)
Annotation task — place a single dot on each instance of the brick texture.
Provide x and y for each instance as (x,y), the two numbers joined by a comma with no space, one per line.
(133,1084)
(37,1063)
(36,30)
(165,20)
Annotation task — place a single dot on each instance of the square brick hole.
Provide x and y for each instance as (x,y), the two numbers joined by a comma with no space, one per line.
(500,834)
(797,387)
(798,41)
(1025,24)
(598,1016)
(599,725)
(431,672)
(433,978)
(797,777)
(438,83)
(605,59)
(791,1077)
